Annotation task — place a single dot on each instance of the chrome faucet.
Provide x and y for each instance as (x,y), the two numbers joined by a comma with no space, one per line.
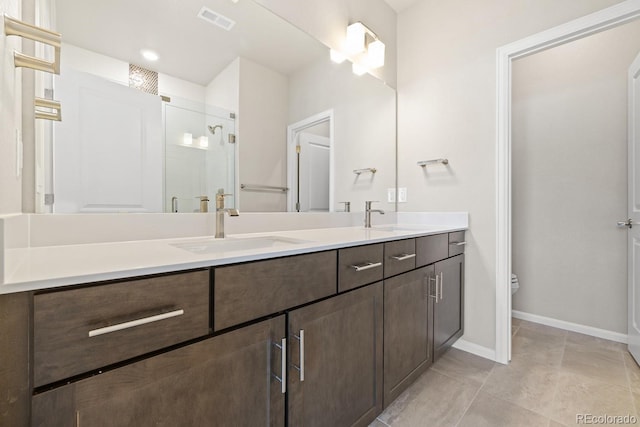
(367,213)
(220,211)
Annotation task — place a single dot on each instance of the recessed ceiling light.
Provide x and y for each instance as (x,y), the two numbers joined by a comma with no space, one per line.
(149,55)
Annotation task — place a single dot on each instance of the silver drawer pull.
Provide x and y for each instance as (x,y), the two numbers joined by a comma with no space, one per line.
(366,266)
(300,368)
(134,323)
(283,365)
(403,257)
(457,243)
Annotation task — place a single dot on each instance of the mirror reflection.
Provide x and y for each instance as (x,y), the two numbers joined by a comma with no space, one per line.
(164,106)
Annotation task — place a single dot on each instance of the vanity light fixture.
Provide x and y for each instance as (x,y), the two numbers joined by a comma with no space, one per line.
(356,37)
(149,55)
(375,54)
(363,47)
(358,69)
(203,142)
(337,56)
(187,139)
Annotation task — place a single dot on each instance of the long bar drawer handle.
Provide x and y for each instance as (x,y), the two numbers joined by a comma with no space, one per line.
(457,243)
(134,323)
(403,257)
(366,266)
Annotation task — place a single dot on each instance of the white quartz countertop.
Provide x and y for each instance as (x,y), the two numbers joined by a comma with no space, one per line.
(34,268)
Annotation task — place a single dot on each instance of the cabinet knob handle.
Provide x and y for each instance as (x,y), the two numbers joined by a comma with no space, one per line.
(366,266)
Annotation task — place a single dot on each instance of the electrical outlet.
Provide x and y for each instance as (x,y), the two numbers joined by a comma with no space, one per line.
(402,195)
(391,195)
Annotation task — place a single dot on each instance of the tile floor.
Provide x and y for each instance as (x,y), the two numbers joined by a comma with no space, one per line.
(553,376)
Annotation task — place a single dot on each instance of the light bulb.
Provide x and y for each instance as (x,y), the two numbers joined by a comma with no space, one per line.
(358,69)
(375,54)
(187,139)
(355,38)
(337,56)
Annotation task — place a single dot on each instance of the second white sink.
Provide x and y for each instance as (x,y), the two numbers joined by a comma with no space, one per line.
(231,244)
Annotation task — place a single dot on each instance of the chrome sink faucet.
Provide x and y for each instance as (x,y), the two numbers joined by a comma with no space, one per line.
(220,211)
(367,213)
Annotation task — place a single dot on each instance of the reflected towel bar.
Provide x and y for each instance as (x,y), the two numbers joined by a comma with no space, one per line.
(252,187)
(424,163)
(359,171)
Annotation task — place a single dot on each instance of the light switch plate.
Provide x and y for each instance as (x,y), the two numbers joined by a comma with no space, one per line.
(402,195)
(391,195)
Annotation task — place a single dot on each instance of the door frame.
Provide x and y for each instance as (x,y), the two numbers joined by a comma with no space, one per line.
(602,20)
(292,136)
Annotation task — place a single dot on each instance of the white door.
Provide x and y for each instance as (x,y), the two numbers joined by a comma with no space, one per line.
(313,172)
(108,150)
(633,238)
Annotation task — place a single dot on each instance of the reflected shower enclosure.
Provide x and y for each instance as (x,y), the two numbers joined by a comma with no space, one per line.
(199,155)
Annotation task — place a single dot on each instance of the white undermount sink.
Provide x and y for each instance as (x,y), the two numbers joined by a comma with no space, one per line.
(232,244)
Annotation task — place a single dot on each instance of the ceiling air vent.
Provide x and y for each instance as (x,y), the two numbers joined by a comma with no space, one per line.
(216,19)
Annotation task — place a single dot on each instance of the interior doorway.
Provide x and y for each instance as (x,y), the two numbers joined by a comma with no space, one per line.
(310,164)
(607,18)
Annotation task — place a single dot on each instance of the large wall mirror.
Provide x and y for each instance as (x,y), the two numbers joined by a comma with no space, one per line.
(237,100)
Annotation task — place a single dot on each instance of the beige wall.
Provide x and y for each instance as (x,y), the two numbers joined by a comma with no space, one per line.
(570,179)
(327,21)
(10,115)
(446,108)
(262,136)
(364,128)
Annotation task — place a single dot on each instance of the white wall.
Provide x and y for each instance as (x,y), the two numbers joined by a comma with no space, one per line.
(10,115)
(262,135)
(364,128)
(118,71)
(569,170)
(224,90)
(446,108)
(327,20)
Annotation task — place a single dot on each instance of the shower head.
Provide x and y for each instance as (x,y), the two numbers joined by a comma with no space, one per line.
(212,129)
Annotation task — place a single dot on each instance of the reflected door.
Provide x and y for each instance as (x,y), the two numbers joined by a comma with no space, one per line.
(108,148)
(633,223)
(313,172)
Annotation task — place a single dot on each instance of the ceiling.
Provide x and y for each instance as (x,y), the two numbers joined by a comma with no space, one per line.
(400,5)
(189,48)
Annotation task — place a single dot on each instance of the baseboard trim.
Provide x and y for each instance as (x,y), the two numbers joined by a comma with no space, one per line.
(569,326)
(478,350)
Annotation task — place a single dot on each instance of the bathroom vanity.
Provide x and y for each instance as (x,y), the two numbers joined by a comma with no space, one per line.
(324,335)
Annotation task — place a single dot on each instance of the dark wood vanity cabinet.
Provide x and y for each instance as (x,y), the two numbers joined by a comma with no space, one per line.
(304,340)
(408,330)
(448,311)
(228,380)
(336,360)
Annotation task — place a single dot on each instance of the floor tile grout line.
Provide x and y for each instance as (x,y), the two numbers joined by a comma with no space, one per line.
(493,367)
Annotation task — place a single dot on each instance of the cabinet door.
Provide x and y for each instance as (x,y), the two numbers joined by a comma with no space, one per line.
(448,314)
(229,380)
(407,330)
(342,360)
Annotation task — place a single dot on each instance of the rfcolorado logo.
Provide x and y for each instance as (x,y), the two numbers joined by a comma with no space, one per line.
(606,419)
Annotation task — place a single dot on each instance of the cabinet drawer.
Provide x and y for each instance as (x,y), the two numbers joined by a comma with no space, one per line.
(359,266)
(80,330)
(430,249)
(250,291)
(399,256)
(456,243)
